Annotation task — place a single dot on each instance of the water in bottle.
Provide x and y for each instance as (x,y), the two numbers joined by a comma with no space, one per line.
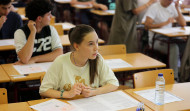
(160,88)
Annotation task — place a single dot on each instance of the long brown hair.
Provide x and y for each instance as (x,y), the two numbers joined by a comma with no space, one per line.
(76,35)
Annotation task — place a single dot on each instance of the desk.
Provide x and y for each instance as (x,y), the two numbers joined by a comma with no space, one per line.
(7,48)
(22,106)
(181,90)
(64,41)
(81,7)
(3,76)
(102,13)
(62,1)
(185,11)
(170,33)
(178,31)
(103,17)
(10,70)
(43,100)
(7,44)
(66,25)
(137,60)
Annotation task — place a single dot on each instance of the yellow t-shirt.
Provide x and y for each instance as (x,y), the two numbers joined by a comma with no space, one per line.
(63,74)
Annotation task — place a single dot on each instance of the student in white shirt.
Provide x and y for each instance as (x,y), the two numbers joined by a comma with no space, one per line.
(81,72)
(162,15)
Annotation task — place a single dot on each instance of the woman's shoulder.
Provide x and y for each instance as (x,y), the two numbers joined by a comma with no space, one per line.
(63,58)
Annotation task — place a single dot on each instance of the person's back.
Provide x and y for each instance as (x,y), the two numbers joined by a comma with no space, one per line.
(162,15)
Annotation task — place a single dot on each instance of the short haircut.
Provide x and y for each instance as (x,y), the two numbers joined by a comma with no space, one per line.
(37,8)
(5,2)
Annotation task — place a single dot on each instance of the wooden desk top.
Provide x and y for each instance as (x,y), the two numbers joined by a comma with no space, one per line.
(137,60)
(22,106)
(63,1)
(181,90)
(66,25)
(63,100)
(7,47)
(65,40)
(7,44)
(174,31)
(184,11)
(3,76)
(101,13)
(10,70)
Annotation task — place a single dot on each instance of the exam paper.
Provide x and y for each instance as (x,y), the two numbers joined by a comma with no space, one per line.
(6,42)
(32,68)
(117,63)
(170,30)
(67,25)
(53,105)
(110,11)
(150,95)
(83,6)
(187,9)
(63,0)
(105,102)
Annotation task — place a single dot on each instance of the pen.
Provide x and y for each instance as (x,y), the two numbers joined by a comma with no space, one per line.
(19,75)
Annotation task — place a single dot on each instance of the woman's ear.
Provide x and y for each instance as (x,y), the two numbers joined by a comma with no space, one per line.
(76,46)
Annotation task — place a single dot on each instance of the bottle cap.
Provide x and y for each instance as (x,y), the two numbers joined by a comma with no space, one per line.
(160,74)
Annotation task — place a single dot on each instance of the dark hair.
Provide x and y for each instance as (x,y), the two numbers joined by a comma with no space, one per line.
(5,2)
(76,35)
(37,8)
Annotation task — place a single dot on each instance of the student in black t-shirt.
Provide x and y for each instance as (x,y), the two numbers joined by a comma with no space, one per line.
(37,41)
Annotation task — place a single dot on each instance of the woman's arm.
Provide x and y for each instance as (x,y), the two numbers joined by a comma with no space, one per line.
(143,7)
(87,92)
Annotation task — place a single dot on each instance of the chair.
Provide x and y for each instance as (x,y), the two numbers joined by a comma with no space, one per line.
(59,29)
(112,49)
(148,78)
(3,96)
(52,21)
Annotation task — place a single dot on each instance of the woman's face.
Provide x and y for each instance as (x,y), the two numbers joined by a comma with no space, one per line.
(88,48)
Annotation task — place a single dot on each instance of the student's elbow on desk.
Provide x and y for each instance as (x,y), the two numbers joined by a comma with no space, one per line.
(24,60)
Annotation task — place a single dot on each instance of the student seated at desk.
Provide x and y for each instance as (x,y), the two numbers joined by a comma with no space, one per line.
(104,5)
(81,72)
(37,41)
(84,14)
(161,15)
(9,23)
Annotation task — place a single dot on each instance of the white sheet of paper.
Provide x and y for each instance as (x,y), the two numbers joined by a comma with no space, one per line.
(110,11)
(187,9)
(170,30)
(53,105)
(6,42)
(117,63)
(63,0)
(32,68)
(66,25)
(83,6)
(150,95)
(105,102)
(187,18)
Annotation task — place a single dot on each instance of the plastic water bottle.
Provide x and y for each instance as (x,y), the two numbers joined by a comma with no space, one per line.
(160,89)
